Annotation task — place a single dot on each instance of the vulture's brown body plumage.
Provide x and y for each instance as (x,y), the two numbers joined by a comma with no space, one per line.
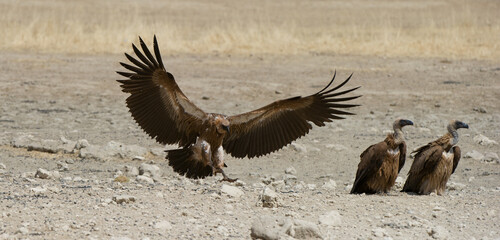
(159,106)
(380,163)
(434,163)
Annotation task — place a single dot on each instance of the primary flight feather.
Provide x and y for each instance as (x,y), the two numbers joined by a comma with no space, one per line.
(160,107)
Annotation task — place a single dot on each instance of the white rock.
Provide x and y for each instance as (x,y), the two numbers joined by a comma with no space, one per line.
(266,227)
(131,171)
(379,232)
(2,166)
(438,232)
(231,191)
(138,158)
(23,230)
(490,157)
(157,151)
(123,199)
(82,143)
(149,170)
(455,186)
(483,140)
(55,174)
(144,179)
(291,170)
(38,190)
(336,147)
(304,230)
(331,218)
(62,166)
(298,147)
(269,198)
(399,182)
(474,155)
(43,174)
(163,225)
(330,185)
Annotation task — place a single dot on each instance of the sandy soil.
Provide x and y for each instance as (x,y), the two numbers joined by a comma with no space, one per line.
(76,97)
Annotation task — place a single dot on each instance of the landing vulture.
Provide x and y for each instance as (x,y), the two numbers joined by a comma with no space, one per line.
(380,163)
(434,163)
(163,111)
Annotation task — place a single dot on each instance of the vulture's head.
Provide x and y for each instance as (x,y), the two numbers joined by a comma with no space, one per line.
(455,124)
(222,125)
(400,123)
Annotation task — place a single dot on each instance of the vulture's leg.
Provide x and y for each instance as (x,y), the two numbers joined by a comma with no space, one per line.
(226,178)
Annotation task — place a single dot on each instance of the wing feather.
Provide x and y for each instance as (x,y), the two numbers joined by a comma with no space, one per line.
(457,153)
(285,120)
(402,156)
(370,163)
(156,102)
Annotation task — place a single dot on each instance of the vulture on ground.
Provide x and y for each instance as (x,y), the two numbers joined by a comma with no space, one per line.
(380,163)
(434,163)
(163,111)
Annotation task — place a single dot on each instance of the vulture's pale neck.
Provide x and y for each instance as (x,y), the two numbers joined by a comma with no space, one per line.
(398,135)
(453,133)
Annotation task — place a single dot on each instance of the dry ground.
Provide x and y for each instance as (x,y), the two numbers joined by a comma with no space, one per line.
(49,92)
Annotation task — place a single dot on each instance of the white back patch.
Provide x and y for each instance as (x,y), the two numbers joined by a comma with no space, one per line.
(393,151)
(448,154)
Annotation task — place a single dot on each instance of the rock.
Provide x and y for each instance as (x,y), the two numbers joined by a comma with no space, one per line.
(55,174)
(474,155)
(138,158)
(291,170)
(43,174)
(38,190)
(62,166)
(336,147)
(131,171)
(144,179)
(266,228)
(231,191)
(121,179)
(400,182)
(490,157)
(82,143)
(298,147)
(2,166)
(23,230)
(269,198)
(331,218)
(67,146)
(455,186)
(157,151)
(480,109)
(304,230)
(330,185)
(163,225)
(149,170)
(123,199)
(483,140)
(438,232)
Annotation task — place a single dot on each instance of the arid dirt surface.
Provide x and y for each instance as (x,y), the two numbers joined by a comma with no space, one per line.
(65,114)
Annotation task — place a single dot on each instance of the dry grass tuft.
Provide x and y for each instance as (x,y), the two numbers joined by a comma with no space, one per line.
(455,29)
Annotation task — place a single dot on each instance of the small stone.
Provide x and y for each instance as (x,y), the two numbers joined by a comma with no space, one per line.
(55,174)
(157,151)
(265,227)
(69,161)
(62,166)
(490,157)
(269,198)
(144,179)
(483,140)
(121,179)
(23,230)
(138,158)
(231,191)
(291,170)
(298,147)
(38,190)
(379,232)
(131,171)
(455,186)
(149,170)
(123,199)
(2,166)
(331,218)
(399,182)
(42,173)
(82,143)
(480,109)
(163,225)
(438,232)
(304,230)
(474,155)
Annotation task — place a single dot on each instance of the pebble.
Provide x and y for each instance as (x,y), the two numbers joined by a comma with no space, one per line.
(474,155)
(483,140)
(38,190)
(269,198)
(163,225)
(231,191)
(123,199)
(298,147)
(490,157)
(131,171)
(291,170)
(144,179)
(2,166)
(304,230)
(455,186)
(149,170)
(330,185)
(42,173)
(438,232)
(379,232)
(82,143)
(62,166)
(331,218)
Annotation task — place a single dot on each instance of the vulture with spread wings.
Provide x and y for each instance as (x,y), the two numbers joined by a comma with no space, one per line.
(163,111)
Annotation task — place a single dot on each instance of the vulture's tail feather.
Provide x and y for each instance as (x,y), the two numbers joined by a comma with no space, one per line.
(183,161)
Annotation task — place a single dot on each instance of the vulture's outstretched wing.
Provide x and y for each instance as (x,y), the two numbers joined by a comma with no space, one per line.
(156,101)
(269,128)
(457,153)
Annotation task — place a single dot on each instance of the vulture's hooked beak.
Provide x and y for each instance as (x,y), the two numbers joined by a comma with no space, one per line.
(226,128)
(461,125)
(405,122)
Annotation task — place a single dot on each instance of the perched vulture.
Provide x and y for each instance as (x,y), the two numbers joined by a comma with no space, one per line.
(434,163)
(380,163)
(163,111)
